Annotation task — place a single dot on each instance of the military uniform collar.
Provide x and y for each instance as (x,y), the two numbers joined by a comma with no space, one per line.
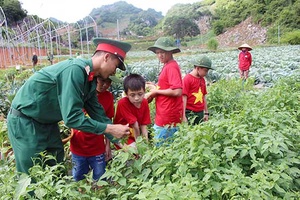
(89,70)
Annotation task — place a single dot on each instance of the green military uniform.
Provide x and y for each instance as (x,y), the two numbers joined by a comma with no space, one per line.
(55,93)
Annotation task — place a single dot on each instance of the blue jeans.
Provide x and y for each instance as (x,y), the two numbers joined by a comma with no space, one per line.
(163,134)
(82,166)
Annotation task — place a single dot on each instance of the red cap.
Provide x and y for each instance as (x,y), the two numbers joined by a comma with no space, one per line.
(111,49)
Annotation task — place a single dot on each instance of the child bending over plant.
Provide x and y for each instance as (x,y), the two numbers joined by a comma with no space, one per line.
(133,109)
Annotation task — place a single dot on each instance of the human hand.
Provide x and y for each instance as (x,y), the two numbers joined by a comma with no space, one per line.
(117,130)
(149,97)
(184,119)
(150,86)
(205,118)
(151,89)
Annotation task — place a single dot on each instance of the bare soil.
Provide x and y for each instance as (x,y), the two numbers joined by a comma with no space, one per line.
(245,32)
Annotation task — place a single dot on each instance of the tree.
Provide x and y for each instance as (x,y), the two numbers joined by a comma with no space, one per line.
(180,27)
(143,23)
(13,11)
(111,13)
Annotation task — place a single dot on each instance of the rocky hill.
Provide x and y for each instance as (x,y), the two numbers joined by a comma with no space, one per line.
(245,32)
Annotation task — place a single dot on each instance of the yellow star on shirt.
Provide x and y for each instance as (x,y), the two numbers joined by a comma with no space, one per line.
(199,96)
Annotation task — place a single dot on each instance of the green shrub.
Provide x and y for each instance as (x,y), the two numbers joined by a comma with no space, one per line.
(218,27)
(212,44)
(292,38)
(250,151)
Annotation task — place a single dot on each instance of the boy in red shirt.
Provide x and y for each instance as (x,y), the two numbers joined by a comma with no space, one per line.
(133,109)
(90,151)
(167,92)
(245,61)
(194,91)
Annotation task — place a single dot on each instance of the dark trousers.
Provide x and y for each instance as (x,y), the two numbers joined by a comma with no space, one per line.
(194,117)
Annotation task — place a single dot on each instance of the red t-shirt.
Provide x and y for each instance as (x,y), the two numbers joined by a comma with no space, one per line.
(127,113)
(195,90)
(169,109)
(89,144)
(106,99)
(245,60)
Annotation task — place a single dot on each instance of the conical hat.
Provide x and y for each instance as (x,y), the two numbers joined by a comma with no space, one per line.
(245,46)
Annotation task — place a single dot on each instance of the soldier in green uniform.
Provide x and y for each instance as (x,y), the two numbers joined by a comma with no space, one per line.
(60,92)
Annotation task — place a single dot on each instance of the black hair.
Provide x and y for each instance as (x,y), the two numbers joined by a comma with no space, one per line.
(104,80)
(134,82)
(100,52)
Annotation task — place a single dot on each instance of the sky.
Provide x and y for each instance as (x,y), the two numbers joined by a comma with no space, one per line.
(73,10)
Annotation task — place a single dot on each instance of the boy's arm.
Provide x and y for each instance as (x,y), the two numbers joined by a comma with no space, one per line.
(184,99)
(108,154)
(206,114)
(167,92)
(136,130)
(144,131)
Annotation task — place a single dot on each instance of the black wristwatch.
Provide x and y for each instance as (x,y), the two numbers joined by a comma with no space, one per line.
(206,114)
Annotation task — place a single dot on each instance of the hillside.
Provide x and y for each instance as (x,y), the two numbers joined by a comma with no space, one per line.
(245,32)
(131,20)
(230,23)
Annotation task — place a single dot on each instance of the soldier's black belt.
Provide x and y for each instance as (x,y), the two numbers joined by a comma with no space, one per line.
(17,113)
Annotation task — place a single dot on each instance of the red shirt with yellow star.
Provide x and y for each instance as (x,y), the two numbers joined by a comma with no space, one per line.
(195,90)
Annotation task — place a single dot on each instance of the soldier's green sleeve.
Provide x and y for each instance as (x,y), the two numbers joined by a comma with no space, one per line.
(72,88)
(97,112)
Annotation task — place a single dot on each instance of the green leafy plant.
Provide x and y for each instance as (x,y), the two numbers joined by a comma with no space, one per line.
(292,38)
(249,148)
(247,153)
(212,44)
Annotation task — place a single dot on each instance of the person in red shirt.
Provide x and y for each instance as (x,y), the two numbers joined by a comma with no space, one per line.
(167,92)
(133,109)
(194,90)
(245,60)
(91,151)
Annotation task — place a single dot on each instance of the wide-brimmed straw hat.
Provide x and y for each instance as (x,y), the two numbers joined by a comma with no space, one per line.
(166,44)
(245,46)
(115,47)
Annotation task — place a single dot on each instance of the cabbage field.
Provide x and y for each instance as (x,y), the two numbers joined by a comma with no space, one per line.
(249,148)
(269,63)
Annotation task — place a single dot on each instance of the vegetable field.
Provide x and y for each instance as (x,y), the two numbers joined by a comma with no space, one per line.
(249,148)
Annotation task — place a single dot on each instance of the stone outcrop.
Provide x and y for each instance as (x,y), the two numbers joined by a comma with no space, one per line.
(245,32)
